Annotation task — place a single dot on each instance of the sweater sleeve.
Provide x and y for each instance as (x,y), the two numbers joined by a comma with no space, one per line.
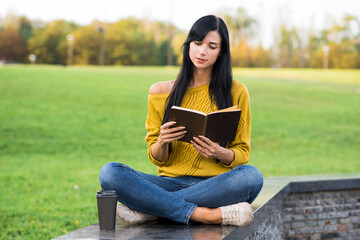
(241,144)
(153,124)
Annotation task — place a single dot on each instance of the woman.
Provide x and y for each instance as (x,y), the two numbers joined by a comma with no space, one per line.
(203,181)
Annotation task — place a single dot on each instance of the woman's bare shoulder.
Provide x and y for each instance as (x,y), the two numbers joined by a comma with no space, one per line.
(161,87)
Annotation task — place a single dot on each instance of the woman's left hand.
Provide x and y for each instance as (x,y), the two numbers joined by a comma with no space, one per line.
(206,147)
(210,149)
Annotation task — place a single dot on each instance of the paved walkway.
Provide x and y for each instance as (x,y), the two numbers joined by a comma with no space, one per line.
(274,184)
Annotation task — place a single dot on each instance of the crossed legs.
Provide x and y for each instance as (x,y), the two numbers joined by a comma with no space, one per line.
(175,198)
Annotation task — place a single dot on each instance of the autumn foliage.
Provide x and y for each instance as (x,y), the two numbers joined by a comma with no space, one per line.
(134,41)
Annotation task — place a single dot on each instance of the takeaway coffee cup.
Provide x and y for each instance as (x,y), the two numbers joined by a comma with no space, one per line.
(106,202)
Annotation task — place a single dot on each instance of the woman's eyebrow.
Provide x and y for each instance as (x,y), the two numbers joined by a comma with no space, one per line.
(214,43)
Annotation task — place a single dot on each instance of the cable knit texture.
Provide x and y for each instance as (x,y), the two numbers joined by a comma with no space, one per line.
(184,160)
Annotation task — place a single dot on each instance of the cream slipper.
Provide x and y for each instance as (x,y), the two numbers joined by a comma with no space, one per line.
(240,214)
(132,217)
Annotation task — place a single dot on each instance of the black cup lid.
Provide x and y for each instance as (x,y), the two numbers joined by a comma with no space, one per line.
(106,193)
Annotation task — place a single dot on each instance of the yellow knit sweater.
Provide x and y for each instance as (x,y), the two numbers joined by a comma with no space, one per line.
(184,160)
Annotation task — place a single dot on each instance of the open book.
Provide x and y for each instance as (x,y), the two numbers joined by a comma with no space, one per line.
(219,126)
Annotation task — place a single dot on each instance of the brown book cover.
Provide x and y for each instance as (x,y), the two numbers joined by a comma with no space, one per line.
(219,126)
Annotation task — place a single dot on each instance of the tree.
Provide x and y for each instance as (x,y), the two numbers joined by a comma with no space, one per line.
(14,33)
(261,57)
(162,53)
(49,44)
(87,44)
(128,44)
(12,45)
(242,28)
(289,44)
(132,41)
(241,25)
(25,28)
(343,42)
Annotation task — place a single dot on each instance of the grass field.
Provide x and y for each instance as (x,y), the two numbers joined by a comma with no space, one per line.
(59,125)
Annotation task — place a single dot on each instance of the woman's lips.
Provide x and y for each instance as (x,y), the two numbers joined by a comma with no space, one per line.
(200,60)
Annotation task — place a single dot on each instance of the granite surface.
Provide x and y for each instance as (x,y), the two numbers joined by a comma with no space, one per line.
(160,229)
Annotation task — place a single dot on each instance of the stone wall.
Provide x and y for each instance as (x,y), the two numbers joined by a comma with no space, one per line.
(328,209)
(270,228)
(322,215)
(268,223)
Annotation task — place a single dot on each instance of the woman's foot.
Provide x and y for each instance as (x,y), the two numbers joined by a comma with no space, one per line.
(240,214)
(132,217)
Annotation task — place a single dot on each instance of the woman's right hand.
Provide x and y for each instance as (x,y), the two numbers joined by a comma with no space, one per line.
(168,133)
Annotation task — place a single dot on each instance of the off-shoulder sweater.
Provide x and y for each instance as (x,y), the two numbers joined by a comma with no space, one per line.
(184,160)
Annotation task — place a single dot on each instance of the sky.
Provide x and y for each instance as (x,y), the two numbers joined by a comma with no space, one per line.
(183,13)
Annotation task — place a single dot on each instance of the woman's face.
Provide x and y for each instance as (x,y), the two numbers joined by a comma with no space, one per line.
(204,54)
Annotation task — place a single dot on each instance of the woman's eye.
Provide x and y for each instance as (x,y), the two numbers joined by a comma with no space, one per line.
(197,42)
(212,47)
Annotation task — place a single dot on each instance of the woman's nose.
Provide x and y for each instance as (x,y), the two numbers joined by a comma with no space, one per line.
(202,50)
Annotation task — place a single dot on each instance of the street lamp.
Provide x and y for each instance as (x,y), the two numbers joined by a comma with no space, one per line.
(326,50)
(70,39)
(102,46)
(32,58)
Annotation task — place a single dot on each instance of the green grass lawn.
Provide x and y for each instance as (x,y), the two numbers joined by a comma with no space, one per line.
(59,125)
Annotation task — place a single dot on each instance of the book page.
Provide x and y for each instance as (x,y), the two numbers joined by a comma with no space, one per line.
(188,110)
(233,108)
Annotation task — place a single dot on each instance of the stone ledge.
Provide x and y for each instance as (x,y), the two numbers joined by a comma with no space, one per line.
(267,217)
(160,229)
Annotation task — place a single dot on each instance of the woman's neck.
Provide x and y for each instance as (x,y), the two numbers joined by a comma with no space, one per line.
(200,77)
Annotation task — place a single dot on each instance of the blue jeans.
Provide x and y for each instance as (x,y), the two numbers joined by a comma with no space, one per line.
(176,198)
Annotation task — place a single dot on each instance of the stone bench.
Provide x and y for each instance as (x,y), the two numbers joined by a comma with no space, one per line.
(309,208)
(160,229)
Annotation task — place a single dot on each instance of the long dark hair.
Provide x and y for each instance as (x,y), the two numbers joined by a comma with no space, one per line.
(221,78)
